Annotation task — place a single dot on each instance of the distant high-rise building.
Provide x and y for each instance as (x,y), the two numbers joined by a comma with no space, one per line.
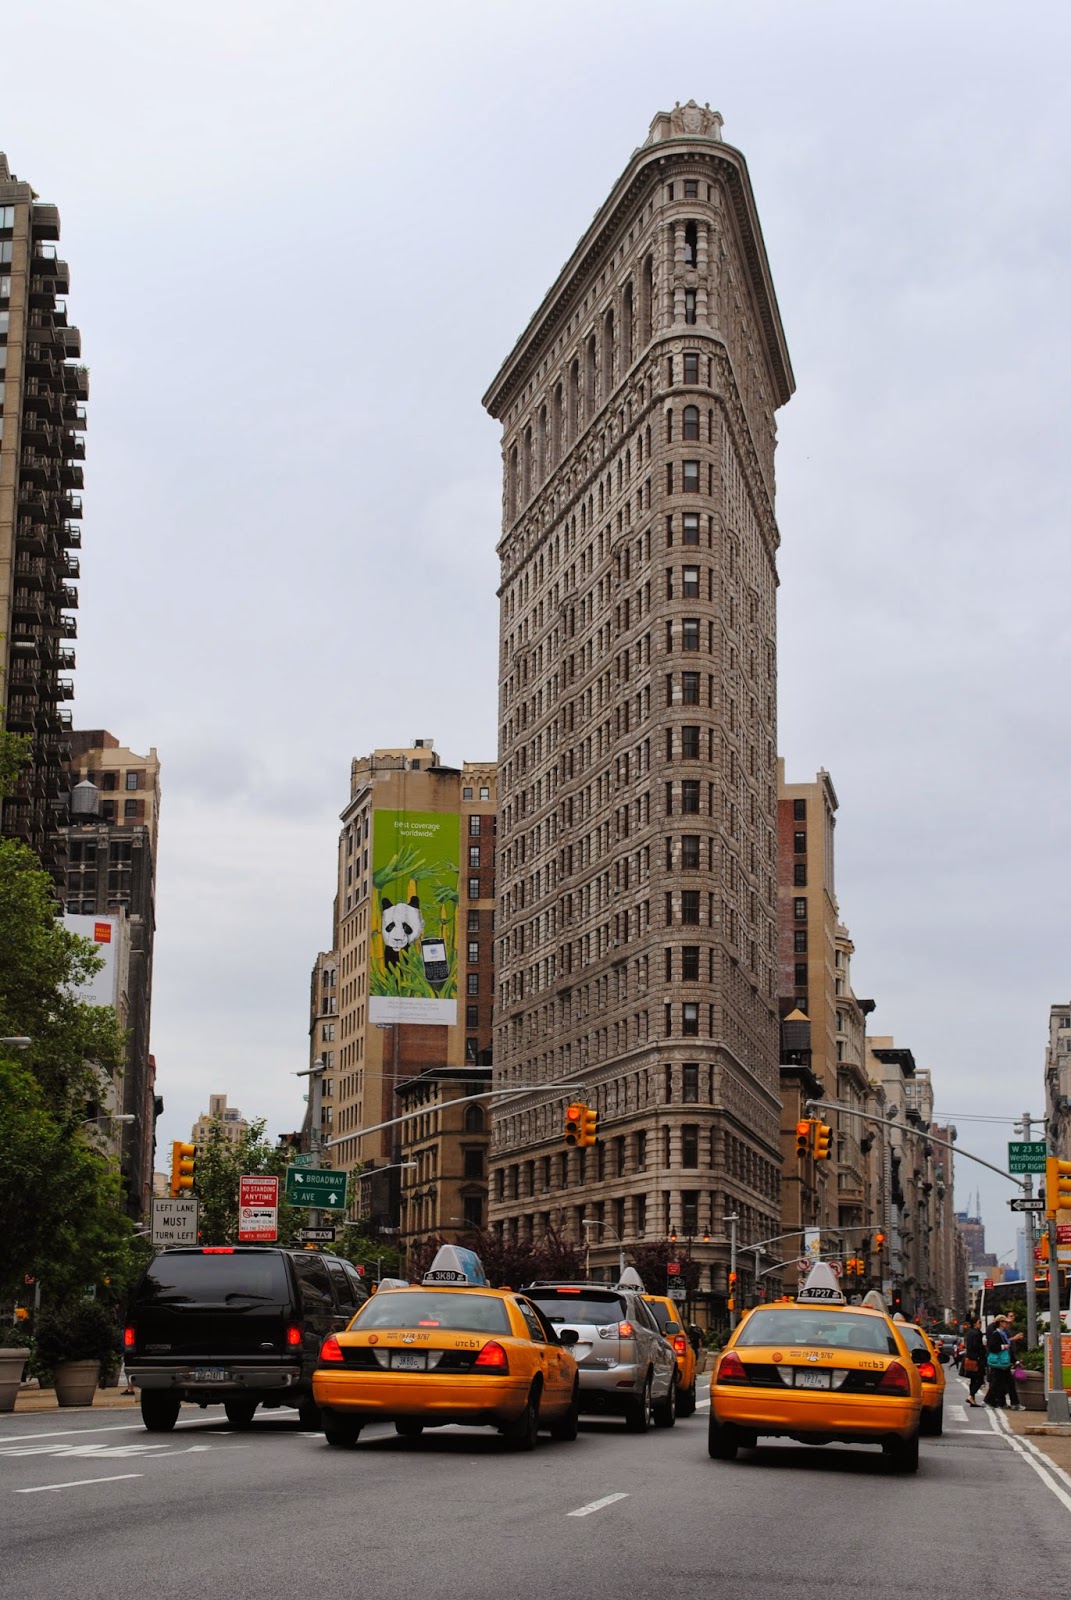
(42,418)
(637,901)
(110,852)
(408,986)
(227,1119)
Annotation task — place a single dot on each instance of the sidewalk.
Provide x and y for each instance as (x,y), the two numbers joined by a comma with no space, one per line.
(1033,1426)
(32,1398)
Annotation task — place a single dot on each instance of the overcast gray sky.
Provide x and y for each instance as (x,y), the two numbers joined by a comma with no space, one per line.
(302,237)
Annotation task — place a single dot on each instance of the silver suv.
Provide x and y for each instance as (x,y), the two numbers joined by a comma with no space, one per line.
(626,1367)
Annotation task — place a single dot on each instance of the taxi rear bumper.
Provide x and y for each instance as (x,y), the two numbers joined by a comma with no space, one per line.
(859,1418)
(479,1401)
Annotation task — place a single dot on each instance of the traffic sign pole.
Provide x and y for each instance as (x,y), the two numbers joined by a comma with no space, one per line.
(1031,1286)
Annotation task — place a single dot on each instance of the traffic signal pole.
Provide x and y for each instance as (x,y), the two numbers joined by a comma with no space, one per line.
(1056,1395)
(1028,1225)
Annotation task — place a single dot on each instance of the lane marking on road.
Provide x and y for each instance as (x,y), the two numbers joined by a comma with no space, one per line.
(597,1505)
(77,1483)
(60,1433)
(702,1405)
(1029,1451)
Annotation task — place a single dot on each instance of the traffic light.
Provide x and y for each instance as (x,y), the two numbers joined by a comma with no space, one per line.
(732,1291)
(803,1139)
(183,1160)
(823,1140)
(879,1242)
(1057,1185)
(573,1119)
(589,1127)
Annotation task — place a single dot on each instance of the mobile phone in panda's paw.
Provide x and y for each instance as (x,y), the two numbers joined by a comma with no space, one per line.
(436,966)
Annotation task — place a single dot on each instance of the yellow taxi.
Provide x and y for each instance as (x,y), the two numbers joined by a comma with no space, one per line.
(668,1316)
(451,1350)
(816,1370)
(930,1363)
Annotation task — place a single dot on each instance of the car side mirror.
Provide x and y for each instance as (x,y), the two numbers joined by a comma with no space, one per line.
(568,1337)
(672,1327)
(942,1356)
(919,1356)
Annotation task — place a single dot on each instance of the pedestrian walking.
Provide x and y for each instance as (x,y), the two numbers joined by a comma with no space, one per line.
(998,1363)
(1014,1342)
(974,1359)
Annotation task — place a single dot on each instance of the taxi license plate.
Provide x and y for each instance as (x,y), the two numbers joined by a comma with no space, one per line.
(408,1361)
(208,1375)
(807,1378)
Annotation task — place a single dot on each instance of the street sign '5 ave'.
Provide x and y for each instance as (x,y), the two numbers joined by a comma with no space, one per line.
(308,1186)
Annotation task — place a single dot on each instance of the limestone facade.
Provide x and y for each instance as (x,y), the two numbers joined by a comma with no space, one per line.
(637,898)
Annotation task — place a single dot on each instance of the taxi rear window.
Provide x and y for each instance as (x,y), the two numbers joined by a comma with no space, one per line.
(570,1308)
(661,1315)
(458,1313)
(912,1337)
(841,1330)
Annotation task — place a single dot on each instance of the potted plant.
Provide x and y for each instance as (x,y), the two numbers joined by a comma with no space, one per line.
(14,1354)
(1032,1387)
(72,1341)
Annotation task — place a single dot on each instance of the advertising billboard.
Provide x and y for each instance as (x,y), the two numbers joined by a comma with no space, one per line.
(414,953)
(111,936)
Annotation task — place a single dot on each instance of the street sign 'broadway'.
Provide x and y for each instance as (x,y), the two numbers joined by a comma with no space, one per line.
(308,1186)
(1027,1157)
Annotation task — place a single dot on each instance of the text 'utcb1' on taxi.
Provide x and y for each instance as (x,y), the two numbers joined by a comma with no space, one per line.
(817,1370)
(450,1350)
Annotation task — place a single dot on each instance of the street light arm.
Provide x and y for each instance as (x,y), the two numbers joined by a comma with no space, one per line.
(462,1099)
(905,1127)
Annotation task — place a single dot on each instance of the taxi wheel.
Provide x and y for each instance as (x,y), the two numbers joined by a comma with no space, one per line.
(665,1411)
(638,1415)
(240,1412)
(524,1433)
(933,1422)
(902,1454)
(569,1426)
(686,1401)
(722,1442)
(342,1433)
(408,1429)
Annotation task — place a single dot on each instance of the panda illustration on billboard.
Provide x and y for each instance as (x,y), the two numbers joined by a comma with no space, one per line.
(403,925)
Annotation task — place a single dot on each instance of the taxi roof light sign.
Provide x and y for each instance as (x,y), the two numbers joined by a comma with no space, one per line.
(821,1286)
(454,1264)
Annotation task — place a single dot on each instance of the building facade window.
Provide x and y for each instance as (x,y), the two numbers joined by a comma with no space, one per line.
(690,1017)
(690,477)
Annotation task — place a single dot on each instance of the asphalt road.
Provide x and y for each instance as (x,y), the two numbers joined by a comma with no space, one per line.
(94,1508)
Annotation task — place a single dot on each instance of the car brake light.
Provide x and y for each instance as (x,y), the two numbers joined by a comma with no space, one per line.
(928,1371)
(894,1380)
(731,1369)
(565,1289)
(128,1339)
(330,1350)
(492,1358)
(625,1330)
(680,1343)
(293,1335)
(218,1250)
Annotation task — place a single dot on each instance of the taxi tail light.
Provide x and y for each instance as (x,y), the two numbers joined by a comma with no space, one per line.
(680,1343)
(731,1369)
(129,1339)
(492,1358)
(894,1380)
(927,1371)
(330,1350)
(293,1335)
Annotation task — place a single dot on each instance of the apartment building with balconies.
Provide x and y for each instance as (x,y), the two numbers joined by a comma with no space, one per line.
(43,391)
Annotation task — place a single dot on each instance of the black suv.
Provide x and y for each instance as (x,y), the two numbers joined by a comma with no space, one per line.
(240,1325)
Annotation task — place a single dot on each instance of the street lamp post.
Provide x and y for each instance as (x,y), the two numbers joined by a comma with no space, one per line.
(595,1222)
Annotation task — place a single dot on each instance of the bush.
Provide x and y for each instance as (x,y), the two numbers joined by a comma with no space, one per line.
(1033,1360)
(14,1336)
(82,1331)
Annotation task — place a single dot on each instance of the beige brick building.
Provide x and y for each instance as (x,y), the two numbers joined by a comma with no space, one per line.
(365,1062)
(636,948)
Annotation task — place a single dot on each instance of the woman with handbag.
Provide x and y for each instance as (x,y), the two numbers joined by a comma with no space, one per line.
(998,1362)
(974,1358)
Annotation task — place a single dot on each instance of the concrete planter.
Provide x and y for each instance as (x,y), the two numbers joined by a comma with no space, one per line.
(76,1382)
(1032,1391)
(12,1362)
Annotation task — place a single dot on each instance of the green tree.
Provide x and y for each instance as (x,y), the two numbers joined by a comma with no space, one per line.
(220,1166)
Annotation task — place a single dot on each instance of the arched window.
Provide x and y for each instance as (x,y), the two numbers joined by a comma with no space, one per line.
(647,302)
(543,464)
(512,487)
(473,1119)
(574,401)
(589,378)
(626,328)
(608,353)
(556,425)
(526,465)
(691,422)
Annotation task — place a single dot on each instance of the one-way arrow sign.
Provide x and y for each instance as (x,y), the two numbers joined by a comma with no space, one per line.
(1035,1203)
